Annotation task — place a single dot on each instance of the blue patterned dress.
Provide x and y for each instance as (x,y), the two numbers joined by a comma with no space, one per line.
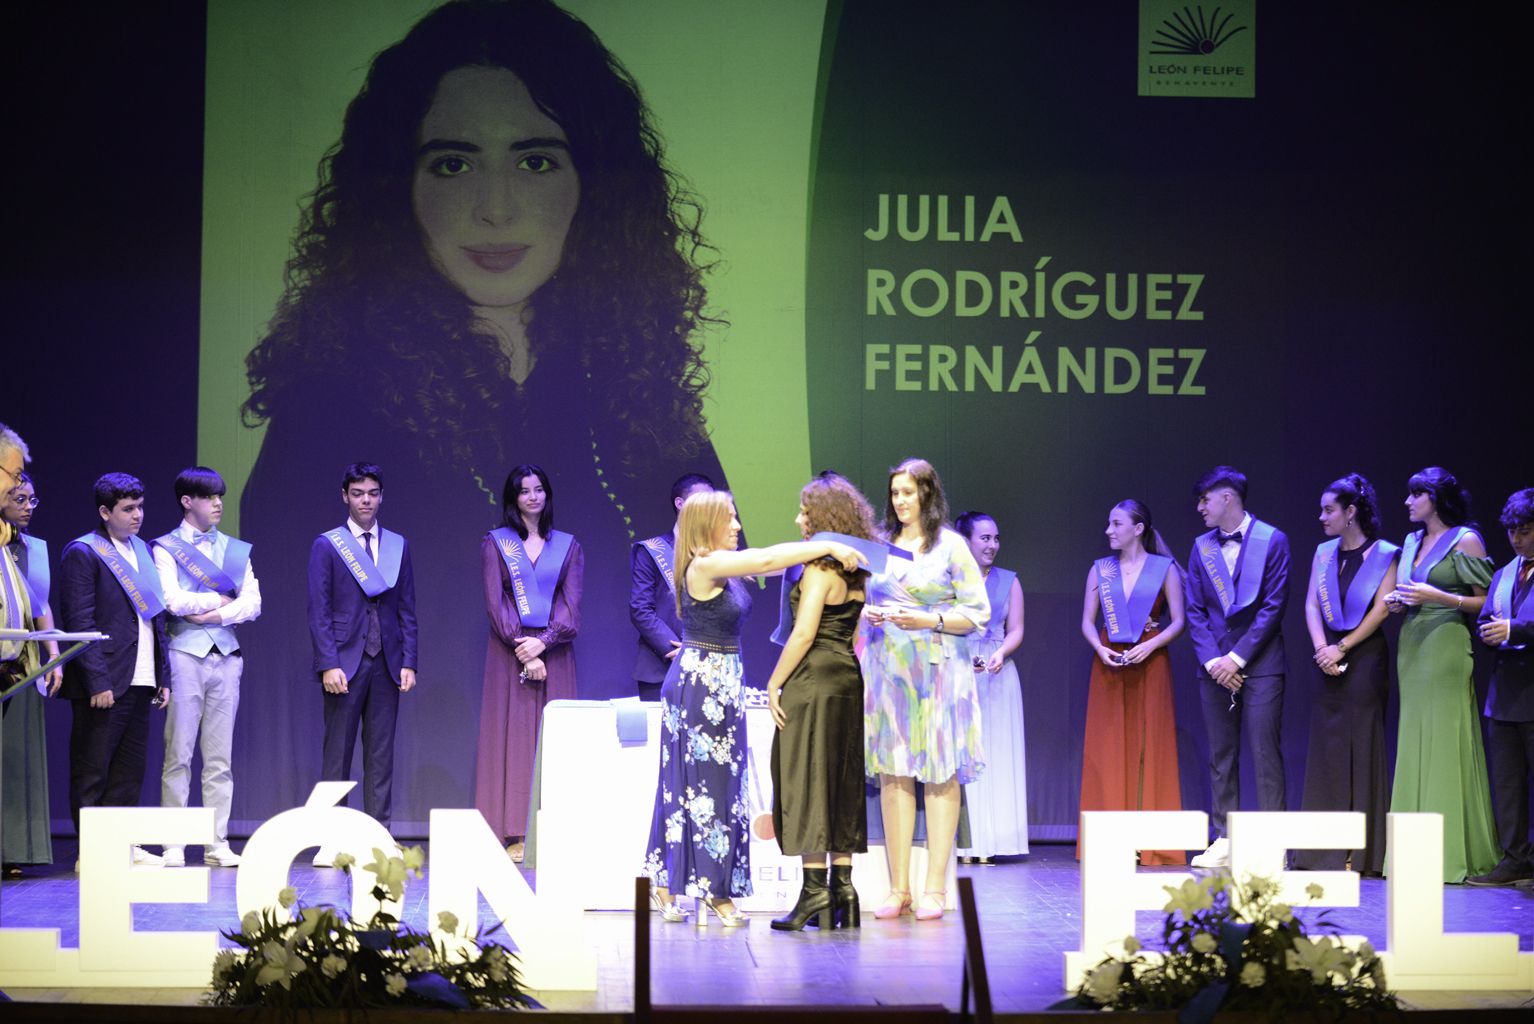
(699,835)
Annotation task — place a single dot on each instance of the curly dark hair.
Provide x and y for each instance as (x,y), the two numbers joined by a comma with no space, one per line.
(1356,491)
(1518,511)
(833,505)
(361,290)
(929,489)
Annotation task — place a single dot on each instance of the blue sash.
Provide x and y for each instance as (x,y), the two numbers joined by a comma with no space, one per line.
(785,612)
(998,591)
(374,579)
(1355,603)
(38,580)
(1501,598)
(662,553)
(1441,548)
(1125,618)
(1235,596)
(876,551)
(206,573)
(142,585)
(532,583)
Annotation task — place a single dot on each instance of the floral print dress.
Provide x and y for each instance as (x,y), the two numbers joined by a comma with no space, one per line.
(921,705)
(699,833)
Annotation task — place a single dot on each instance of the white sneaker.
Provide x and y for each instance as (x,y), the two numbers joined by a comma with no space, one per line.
(1217,856)
(220,856)
(175,857)
(143,858)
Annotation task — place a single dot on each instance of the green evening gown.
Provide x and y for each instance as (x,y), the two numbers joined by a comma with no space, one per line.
(1440,764)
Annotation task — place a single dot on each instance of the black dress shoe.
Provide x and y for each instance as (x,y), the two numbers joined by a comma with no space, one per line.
(814,901)
(1504,874)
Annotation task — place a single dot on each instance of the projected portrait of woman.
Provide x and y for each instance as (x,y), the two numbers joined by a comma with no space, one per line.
(495,258)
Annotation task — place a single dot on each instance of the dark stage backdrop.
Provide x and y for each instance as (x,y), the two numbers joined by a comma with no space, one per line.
(1321,278)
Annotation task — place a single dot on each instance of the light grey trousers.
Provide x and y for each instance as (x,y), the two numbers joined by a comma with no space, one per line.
(204,696)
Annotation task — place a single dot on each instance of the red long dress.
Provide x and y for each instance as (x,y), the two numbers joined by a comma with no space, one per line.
(1129,757)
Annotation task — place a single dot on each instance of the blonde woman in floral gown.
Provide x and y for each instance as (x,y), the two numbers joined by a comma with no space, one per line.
(921,704)
(699,840)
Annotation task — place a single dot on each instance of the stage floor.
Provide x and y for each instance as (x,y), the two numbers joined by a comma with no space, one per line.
(1029,913)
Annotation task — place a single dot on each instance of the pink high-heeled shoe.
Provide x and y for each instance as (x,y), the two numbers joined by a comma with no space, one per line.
(896,903)
(926,911)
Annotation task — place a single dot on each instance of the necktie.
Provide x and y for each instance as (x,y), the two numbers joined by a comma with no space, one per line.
(198,538)
(1230,538)
(374,642)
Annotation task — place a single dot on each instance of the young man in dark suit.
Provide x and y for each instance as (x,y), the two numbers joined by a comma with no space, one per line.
(652,596)
(1237,586)
(108,584)
(1507,626)
(363,627)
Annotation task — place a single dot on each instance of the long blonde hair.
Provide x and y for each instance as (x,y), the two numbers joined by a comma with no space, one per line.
(704,514)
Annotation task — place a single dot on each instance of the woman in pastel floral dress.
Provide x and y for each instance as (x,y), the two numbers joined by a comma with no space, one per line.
(921,704)
(699,839)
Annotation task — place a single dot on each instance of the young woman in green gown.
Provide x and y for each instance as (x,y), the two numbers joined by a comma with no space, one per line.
(1441,585)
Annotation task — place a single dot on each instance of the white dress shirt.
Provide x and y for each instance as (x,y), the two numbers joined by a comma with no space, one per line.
(143,664)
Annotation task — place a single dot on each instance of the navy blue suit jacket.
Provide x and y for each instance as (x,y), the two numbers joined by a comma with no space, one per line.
(652,610)
(338,614)
(1512,676)
(93,601)
(1253,633)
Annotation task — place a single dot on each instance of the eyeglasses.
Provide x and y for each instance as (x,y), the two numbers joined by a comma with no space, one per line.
(21,502)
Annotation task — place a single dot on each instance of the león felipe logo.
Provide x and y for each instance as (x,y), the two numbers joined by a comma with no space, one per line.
(1189,32)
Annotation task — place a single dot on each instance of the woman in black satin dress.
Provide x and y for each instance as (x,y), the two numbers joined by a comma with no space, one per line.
(816,697)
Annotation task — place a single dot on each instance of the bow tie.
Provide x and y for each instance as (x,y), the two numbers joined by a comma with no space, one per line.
(198,538)
(1230,538)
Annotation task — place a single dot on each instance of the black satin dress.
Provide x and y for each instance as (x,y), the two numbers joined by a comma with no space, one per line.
(817,757)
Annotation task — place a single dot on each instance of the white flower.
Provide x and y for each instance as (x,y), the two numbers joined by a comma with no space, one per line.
(312,918)
(287,896)
(390,872)
(282,963)
(448,922)
(344,861)
(394,984)
(495,963)
(1203,942)
(414,858)
(1283,912)
(1103,982)
(250,924)
(1188,898)
(1320,957)
(1365,951)
(332,965)
(419,958)
(1131,945)
(1253,974)
(224,962)
(1314,891)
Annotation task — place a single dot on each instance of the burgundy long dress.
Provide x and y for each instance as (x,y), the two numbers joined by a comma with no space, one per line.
(511,708)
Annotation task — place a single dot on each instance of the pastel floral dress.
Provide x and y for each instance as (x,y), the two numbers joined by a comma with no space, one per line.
(921,704)
(699,839)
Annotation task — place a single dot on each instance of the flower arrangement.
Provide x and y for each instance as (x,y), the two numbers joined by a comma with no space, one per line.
(322,958)
(1230,946)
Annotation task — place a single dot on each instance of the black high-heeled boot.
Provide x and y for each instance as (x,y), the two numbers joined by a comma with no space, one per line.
(845,912)
(814,901)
